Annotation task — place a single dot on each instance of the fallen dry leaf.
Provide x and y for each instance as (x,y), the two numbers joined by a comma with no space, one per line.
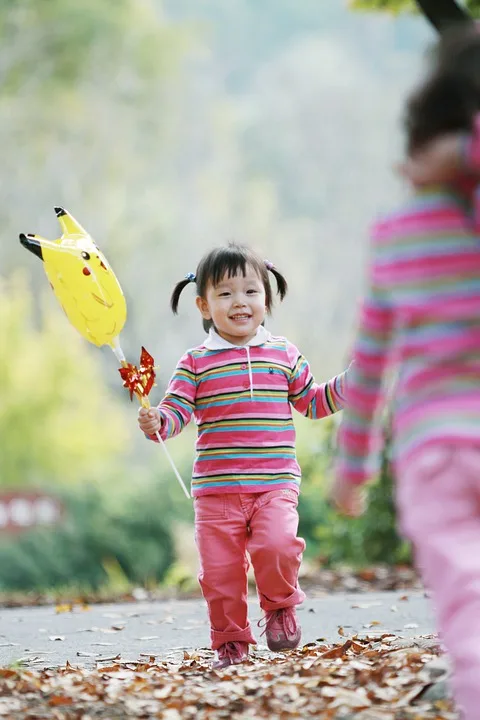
(63,608)
(366,606)
(55,700)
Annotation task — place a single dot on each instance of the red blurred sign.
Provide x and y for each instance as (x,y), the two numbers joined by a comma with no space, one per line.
(27,509)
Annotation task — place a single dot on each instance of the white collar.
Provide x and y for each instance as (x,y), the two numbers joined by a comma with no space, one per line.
(215,342)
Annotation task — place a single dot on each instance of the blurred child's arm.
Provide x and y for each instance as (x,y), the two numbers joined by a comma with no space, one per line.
(358,436)
(178,404)
(309,398)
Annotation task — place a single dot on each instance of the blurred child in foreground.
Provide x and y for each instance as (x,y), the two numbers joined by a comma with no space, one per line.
(421,314)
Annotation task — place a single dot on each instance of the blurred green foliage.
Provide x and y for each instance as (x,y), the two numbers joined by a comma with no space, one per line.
(59,424)
(97,546)
(70,40)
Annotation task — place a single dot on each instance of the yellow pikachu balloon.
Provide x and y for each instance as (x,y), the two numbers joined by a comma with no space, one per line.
(82,280)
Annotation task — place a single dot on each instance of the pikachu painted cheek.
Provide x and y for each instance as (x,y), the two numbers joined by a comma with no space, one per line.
(86,271)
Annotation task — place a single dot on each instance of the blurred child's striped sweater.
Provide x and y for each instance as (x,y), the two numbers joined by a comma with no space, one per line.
(421,315)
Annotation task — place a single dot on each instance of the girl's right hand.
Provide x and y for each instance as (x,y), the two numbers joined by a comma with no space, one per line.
(149,420)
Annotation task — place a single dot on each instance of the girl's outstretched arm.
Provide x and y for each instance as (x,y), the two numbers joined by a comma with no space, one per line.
(313,400)
(178,404)
(358,440)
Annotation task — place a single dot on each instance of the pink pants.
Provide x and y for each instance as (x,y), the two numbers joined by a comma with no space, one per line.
(226,526)
(438,494)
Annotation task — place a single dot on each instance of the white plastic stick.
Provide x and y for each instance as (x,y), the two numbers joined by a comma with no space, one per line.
(117,350)
(177,474)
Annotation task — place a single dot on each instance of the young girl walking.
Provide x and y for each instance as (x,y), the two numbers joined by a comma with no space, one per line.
(240,386)
(422,314)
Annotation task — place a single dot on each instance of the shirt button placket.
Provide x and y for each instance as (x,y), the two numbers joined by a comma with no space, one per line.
(246,383)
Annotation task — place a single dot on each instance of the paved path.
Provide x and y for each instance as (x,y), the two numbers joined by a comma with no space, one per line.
(41,637)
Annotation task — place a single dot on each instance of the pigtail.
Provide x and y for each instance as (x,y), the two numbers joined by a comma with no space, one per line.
(282,285)
(177,291)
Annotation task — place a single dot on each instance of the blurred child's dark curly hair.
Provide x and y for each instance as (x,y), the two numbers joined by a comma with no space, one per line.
(449,98)
(230,260)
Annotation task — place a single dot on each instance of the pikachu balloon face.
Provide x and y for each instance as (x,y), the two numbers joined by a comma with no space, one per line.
(82,280)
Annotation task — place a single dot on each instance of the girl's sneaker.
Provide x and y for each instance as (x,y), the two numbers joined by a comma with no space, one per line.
(232,653)
(282,629)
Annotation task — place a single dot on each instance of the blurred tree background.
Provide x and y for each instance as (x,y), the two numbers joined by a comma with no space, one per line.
(167,128)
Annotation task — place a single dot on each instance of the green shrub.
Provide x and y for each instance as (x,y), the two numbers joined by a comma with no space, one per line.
(370,539)
(82,552)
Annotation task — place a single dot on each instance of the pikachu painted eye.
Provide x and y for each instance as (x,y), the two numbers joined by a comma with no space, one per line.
(85,255)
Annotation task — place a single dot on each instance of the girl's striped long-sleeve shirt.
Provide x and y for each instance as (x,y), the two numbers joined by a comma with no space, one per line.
(241,399)
(420,318)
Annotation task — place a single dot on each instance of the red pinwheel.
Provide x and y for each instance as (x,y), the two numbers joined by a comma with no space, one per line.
(139,380)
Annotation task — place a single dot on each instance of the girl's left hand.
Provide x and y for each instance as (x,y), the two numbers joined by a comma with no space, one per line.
(349,499)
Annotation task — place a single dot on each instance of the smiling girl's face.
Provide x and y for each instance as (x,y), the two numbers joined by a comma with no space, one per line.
(236,306)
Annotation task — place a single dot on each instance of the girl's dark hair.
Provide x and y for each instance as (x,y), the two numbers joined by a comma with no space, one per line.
(230,260)
(449,98)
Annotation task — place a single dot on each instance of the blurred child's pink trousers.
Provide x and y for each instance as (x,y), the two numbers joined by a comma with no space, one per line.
(438,495)
(265,525)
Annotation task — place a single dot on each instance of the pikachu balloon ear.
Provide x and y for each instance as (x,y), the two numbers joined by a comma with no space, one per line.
(68,223)
(33,243)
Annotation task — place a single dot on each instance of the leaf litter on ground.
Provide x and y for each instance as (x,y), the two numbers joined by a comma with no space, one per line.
(362,678)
